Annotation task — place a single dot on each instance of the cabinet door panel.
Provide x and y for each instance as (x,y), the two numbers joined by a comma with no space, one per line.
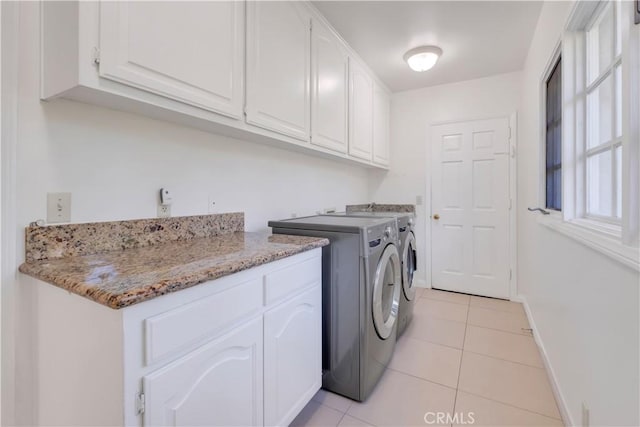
(278,67)
(360,112)
(380,125)
(218,385)
(330,88)
(292,356)
(188,51)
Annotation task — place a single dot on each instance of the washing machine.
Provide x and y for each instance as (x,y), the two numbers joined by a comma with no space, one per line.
(361,292)
(408,257)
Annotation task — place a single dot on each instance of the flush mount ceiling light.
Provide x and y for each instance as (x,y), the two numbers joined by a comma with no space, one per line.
(422,58)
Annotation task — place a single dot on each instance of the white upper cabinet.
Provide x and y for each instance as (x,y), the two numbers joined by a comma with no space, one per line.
(278,67)
(264,71)
(188,51)
(360,112)
(381,107)
(329,89)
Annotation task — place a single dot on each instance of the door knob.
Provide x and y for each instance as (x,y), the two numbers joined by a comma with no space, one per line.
(436,217)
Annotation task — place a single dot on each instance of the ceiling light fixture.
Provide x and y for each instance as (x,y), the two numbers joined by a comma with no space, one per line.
(422,58)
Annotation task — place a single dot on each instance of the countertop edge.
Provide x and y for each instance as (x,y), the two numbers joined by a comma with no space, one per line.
(154,290)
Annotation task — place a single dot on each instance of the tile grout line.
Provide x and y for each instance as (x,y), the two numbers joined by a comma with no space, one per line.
(344,414)
(506,360)
(360,419)
(464,338)
(511,405)
(502,330)
(433,342)
(473,305)
(421,378)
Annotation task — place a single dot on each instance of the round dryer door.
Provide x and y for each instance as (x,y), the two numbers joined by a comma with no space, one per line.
(409,264)
(386,292)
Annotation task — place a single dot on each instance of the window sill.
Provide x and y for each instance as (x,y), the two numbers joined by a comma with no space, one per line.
(605,240)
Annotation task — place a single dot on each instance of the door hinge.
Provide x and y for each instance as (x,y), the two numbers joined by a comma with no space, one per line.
(140,403)
(510,274)
(509,132)
(96,55)
(510,204)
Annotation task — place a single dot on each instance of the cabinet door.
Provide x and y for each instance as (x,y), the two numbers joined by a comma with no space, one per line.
(360,112)
(381,112)
(292,356)
(278,67)
(329,89)
(188,51)
(218,385)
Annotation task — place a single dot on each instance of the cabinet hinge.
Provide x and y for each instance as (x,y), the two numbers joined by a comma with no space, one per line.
(140,403)
(96,56)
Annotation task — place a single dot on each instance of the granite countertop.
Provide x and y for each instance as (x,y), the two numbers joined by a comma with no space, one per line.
(120,278)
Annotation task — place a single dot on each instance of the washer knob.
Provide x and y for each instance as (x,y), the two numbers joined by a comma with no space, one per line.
(387,232)
(410,222)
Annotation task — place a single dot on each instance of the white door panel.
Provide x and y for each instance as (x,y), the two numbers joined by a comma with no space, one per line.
(360,112)
(470,195)
(292,356)
(278,67)
(330,88)
(381,116)
(188,51)
(219,384)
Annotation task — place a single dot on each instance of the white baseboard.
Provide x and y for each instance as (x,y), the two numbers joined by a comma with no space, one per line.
(555,386)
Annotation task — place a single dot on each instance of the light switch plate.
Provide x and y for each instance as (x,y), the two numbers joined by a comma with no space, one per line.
(58,207)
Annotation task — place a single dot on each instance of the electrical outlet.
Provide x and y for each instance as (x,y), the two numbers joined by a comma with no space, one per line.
(164,211)
(294,215)
(585,415)
(58,207)
(211,205)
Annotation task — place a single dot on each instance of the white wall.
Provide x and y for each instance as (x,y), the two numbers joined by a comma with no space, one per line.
(114,163)
(584,305)
(412,112)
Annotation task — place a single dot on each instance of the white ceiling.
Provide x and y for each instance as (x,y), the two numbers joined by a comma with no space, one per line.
(479,38)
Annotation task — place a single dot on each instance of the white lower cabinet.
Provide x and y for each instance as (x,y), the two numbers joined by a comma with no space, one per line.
(242,350)
(220,384)
(292,356)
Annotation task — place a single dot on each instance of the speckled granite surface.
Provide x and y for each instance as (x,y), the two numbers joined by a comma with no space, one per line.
(59,241)
(121,278)
(375,207)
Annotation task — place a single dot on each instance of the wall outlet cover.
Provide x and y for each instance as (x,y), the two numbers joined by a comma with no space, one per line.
(58,207)
(164,211)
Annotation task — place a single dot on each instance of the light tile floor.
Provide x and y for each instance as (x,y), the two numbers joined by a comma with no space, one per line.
(461,354)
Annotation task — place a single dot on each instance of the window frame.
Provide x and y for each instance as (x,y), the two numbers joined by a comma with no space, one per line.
(554,64)
(617,239)
(591,85)
(548,70)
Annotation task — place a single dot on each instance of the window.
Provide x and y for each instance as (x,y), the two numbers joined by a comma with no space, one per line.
(600,146)
(553,143)
(603,151)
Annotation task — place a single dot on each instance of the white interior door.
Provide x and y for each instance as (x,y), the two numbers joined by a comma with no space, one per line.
(470,207)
